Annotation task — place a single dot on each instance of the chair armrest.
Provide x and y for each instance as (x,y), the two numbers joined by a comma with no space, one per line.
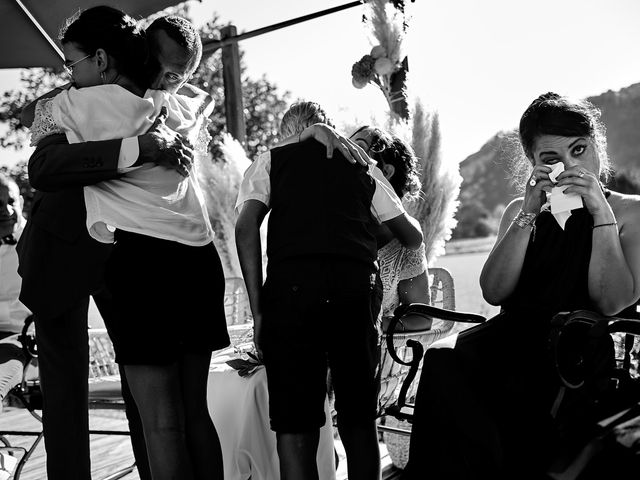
(624,325)
(575,340)
(435,312)
(427,311)
(597,320)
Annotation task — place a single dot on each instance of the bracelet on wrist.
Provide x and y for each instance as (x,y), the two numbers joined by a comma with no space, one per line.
(524,220)
(605,225)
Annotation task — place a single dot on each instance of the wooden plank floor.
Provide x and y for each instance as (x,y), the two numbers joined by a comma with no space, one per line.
(389,472)
(110,453)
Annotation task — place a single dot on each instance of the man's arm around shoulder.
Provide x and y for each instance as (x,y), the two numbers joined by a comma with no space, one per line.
(57,165)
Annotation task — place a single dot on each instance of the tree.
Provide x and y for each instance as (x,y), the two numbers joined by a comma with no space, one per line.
(33,83)
(264,103)
(19,173)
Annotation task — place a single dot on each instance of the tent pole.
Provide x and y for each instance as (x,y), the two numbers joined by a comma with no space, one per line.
(234,109)
(210,46)
(36,24)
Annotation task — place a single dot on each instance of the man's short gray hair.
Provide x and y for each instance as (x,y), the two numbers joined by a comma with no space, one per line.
(302,115)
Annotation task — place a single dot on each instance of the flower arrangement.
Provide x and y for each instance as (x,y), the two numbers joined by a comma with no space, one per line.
(386,67)
(387,23)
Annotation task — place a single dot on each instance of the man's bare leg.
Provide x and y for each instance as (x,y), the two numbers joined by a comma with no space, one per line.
(363,453)
(297,453)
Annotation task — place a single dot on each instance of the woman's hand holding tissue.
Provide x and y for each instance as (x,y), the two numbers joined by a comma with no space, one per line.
(581,181)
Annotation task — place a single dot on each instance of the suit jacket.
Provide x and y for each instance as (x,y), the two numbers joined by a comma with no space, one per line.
(58,261)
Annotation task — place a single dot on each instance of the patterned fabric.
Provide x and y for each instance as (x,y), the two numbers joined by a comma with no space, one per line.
(43,123)
(398,263)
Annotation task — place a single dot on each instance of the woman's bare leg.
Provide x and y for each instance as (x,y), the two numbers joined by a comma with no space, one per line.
(157,391)
(202,439)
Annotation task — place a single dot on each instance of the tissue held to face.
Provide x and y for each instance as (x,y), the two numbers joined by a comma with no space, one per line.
(570,151)
(563,153)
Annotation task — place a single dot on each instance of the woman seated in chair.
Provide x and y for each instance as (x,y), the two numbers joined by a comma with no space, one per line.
(483,409)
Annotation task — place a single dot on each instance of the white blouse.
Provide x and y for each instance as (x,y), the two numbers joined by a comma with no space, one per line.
(148,199)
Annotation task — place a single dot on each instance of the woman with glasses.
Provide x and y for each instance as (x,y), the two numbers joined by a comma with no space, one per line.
(159,223)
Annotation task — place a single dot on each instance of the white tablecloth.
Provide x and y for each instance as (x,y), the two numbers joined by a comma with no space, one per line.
(239,408)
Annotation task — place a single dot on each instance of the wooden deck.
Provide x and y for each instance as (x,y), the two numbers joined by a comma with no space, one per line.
(110,453)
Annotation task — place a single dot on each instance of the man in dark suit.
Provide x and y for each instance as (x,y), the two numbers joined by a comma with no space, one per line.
(61,265)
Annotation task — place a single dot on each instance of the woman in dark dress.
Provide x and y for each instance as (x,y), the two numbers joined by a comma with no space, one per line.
(483,409)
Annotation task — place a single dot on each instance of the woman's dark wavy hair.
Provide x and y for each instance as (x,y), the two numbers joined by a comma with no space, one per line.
(116,33)
(392,150)
(553,114)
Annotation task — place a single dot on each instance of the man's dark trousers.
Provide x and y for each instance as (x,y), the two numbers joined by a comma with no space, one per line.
(61,266)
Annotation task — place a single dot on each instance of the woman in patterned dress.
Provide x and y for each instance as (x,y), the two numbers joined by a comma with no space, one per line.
(403,272)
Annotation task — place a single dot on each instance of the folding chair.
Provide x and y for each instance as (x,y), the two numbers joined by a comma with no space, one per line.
(104,393)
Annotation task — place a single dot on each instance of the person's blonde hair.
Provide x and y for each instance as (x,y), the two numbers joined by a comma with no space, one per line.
(301,115)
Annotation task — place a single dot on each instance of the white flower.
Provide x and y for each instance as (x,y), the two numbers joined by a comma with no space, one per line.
(383,66)
(378,51)
(358,83)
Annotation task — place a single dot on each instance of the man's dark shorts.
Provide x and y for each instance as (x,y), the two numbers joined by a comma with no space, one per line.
(320,314)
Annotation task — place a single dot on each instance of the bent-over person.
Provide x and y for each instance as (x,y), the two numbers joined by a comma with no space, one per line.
(316,306)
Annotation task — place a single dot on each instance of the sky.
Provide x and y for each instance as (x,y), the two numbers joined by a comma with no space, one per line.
(478,63)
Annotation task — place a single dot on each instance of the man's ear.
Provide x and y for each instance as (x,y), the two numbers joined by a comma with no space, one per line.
(102,60)
(388,171)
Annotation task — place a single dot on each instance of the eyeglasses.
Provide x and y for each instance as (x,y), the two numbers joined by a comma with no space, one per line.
(69,68)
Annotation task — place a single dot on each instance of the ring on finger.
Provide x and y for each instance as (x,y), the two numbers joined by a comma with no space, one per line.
(581,173)
(533,181)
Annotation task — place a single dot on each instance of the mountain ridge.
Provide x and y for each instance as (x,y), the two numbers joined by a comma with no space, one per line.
(488,182)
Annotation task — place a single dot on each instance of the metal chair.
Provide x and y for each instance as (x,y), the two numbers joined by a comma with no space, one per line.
(599,393)
(104,393)
(401,357)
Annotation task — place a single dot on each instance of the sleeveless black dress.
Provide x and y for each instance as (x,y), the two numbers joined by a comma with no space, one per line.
(483,408)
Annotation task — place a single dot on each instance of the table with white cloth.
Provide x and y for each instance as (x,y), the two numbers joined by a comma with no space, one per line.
(239,407)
